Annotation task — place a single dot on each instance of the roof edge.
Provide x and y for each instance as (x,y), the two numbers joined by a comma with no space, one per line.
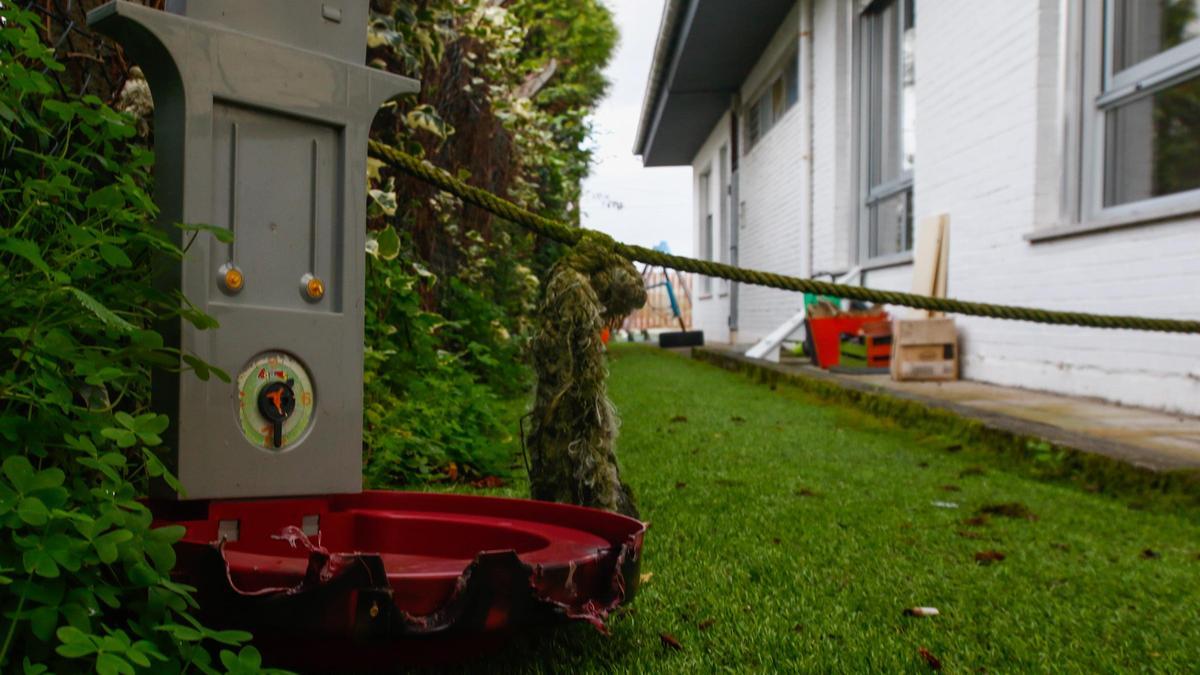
(668,29)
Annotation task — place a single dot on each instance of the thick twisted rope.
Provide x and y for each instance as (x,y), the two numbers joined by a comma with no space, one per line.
(566,234)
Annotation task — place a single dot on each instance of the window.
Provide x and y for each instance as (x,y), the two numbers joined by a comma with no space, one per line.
(724,188)
(706,227)
(753,130)
(887,132)
(791,78)
(774,101)
(1142,133)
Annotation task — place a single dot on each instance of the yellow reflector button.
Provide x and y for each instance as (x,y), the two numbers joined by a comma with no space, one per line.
(312,288)
(230,278)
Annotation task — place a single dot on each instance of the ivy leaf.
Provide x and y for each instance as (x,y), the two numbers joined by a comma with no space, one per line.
(373,167)
(388,243)
(424,117)
(384,200)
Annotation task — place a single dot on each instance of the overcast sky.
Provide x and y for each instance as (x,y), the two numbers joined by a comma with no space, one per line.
(656,203)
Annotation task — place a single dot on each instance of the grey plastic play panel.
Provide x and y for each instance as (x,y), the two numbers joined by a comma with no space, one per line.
(262,110)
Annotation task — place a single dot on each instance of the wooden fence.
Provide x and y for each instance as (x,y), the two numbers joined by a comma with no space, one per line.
(657,311)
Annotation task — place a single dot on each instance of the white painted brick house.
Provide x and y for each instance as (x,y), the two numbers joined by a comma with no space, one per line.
(1062,138)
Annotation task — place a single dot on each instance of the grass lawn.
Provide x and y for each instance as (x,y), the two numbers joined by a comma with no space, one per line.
(790,535)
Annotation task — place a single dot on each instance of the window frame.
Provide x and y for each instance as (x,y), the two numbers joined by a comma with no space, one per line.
(723,230)
(762,104)
(869,141)
(705,212)
(1089,146)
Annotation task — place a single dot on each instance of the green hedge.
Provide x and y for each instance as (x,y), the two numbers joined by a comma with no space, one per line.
(84,577)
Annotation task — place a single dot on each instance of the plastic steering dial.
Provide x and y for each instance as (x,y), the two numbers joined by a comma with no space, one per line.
(277,402)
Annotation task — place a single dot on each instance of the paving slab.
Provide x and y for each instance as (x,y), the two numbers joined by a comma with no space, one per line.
(1150,439)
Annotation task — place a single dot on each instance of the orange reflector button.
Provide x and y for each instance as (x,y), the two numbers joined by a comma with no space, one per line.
(233,279)
(314,288)
(230,279)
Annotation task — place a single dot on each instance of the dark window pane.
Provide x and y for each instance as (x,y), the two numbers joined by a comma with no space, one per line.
(1154,145)
(765,119)
(1144,28)
(908,94)
(889,107)
(891,102)
(752,129)
(778,105)
(891,221)
(792,76)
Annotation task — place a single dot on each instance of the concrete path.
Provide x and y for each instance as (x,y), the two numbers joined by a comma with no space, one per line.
(1146,438)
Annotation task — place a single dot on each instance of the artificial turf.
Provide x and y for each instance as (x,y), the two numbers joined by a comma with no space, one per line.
(789,535)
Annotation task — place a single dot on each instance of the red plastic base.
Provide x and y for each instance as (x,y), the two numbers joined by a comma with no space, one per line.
(387,578)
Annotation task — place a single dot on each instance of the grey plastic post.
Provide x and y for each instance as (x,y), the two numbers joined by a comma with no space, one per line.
(262,110)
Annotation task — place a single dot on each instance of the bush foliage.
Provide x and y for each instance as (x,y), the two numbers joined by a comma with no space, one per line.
(505,92)
(84,576)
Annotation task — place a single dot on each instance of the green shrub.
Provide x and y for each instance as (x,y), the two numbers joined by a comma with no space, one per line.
(427,414)
(83,574)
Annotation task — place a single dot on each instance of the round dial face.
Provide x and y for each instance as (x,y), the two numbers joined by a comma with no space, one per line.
(275,400)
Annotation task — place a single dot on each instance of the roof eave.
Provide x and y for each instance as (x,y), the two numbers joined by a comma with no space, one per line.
(664,53)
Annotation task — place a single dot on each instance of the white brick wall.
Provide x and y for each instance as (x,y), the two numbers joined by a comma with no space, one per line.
(985,131)
(710,311)
(988,154)
(773,210)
